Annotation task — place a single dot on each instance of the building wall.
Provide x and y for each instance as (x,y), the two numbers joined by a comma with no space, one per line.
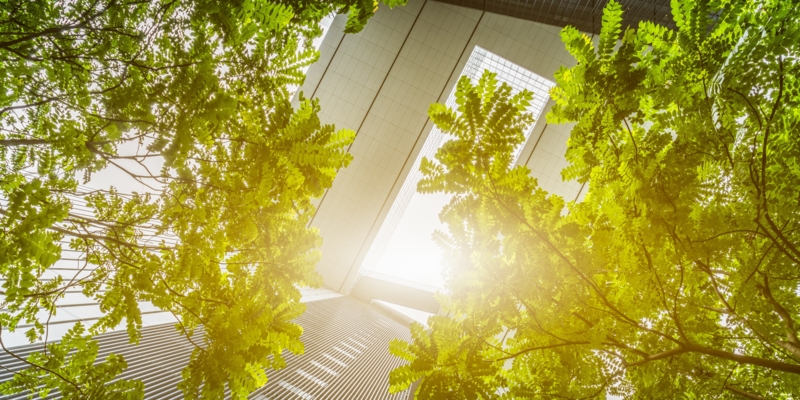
(345,356)
(380,83)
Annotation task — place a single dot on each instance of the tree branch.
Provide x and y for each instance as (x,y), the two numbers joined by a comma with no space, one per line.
(743,393)
(792,344)
(37,365)
(659,356)
(743,359)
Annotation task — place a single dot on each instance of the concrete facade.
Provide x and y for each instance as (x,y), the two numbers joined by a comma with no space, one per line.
(381,82)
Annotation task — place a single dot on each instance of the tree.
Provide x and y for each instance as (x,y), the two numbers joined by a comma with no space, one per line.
(219,237)
(677,276)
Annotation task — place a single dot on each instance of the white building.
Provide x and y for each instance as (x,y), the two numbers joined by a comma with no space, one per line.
(381,82)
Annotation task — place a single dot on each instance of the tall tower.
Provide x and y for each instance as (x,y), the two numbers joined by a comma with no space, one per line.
(381,82)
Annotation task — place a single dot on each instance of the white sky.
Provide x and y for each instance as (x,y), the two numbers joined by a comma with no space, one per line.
(405,249)
(411,253)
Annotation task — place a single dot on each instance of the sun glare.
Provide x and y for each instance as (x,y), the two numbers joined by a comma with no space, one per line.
(404,247)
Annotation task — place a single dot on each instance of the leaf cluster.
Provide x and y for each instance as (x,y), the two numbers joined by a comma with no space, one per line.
(677,275)
(190,99)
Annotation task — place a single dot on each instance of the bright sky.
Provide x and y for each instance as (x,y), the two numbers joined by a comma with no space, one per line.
(411,253)
(405,249)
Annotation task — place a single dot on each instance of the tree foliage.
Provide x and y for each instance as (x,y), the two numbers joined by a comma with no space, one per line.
(219,236)
(677,276)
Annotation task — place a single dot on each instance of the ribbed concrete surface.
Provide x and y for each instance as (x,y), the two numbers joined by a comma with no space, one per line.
(346,356)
